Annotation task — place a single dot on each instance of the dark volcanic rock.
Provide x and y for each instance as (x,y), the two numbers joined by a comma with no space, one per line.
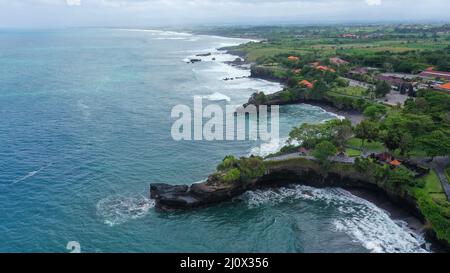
(195,60)
(204,54)
(170,197)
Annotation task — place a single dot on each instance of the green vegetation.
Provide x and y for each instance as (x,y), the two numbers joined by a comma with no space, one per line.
(322,152)
(375,112)
(350,91)
(374,146)
(437,143)
(432,183)
(434,206)
(367,131)
(314,64)
(243,170)
(310,135)
(382,89)
(352,152)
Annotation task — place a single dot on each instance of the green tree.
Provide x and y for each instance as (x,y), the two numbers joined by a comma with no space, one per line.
(309,134)
(320,89)
(382,89)
(374,112)
(406,143)
(322,152)
(343,133)
(227,163)
(436,144)
(392,138)
(367,130)
(261,98)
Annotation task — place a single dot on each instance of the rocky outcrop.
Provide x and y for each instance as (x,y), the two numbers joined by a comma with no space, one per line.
(204,54)
(181,197)
(279,173)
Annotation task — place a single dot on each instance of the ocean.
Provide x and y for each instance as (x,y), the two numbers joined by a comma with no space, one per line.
(85,122)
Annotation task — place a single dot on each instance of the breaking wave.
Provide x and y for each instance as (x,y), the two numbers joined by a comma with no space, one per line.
(267,148)
(118,209)
(360,219)
(217,97)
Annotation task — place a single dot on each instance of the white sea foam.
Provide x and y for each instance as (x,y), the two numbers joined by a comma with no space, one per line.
(330,113)
(267,148)
(360,219)
(118,209)
(157,32)
(217,97)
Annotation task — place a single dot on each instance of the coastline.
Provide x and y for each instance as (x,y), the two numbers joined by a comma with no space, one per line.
(354,116)
(395,212)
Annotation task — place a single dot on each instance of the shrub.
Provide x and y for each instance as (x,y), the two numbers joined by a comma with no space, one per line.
(251,168)
(434,214)
(232,175)
(227,163)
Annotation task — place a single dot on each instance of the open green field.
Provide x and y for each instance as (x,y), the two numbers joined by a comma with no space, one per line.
(350,91)
(432,183)
(352,152)
(374,146)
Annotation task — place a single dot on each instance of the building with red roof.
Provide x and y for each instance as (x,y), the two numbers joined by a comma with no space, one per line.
(306,84)
(338,61)
(430,73)
(445,87)
(325,68)
(395,163)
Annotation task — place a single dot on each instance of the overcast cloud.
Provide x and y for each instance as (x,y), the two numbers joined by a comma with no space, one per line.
(61,13)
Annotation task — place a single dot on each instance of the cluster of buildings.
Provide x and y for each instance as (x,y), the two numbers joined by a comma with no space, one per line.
(428,79)
(436,79)
(405,83)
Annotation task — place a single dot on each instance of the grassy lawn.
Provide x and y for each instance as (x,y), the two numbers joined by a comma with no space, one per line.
(413,153)
(432,183)
(352,152)
(350,91)
(355,143)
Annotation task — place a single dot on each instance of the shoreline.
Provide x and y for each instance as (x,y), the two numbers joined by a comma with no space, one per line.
(354,116)
(395,212)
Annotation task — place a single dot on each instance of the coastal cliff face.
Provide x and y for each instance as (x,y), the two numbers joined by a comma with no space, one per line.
(310,173)
(278,173)
(286,172)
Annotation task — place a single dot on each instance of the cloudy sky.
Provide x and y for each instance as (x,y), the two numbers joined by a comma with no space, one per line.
(63,13)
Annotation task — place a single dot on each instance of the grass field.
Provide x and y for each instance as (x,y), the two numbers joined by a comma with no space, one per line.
(352,152)
(325,46)
(434,188)
(350,91)
(355,143)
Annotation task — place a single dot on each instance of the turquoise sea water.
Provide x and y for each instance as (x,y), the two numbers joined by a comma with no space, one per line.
(85,128)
